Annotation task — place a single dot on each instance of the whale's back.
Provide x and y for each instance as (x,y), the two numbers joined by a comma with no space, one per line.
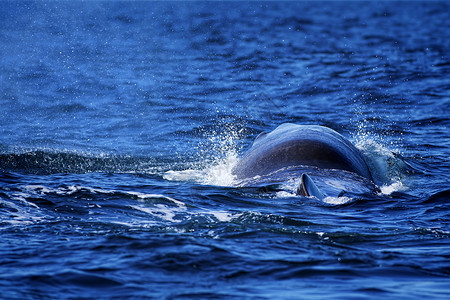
(293,145)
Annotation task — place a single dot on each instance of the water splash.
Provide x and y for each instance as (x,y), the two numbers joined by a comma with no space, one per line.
(217,155)
(337,200)
(396,186)
(388,169)
(218,173)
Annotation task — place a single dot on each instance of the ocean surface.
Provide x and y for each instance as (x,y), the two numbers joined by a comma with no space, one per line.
(120,123)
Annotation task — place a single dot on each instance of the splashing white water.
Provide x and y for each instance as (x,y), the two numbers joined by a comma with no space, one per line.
(397,186)
(221,173)
(222,151)
(218,173)
(337,200)
(387,169)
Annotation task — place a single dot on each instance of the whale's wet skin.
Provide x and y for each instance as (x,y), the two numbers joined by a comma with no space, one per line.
(301,151)
(131,167)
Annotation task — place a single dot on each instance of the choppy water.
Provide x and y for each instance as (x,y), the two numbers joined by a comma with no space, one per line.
(120,122)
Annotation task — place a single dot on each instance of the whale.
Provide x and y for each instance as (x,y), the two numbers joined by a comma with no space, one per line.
(324,162)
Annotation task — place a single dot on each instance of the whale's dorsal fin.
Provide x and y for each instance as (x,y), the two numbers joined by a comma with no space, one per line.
(308,188)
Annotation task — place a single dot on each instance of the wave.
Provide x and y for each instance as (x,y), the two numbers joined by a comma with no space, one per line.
(52,162)
(33,204)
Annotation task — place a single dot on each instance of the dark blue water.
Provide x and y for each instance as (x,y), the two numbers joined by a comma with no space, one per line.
(120,123)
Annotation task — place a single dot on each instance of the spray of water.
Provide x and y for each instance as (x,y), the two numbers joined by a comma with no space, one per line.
(387,168)
(217,156)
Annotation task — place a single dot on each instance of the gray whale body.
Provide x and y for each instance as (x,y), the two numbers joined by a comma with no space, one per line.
(292,145)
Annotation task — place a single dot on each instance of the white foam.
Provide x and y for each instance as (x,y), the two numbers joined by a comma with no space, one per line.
(286,194)
(221,173)
(21,215)
(396,186)
(184,175)
(178,214)
(222,150)
(222,216)
(19,196)
(144,196)
(160,211)
(38,189)
(337,200)
(218,172)
(68,190)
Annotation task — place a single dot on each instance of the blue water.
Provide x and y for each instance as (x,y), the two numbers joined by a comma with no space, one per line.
(120,123)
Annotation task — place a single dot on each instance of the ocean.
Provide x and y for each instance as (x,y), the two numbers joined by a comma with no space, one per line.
(120,123)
